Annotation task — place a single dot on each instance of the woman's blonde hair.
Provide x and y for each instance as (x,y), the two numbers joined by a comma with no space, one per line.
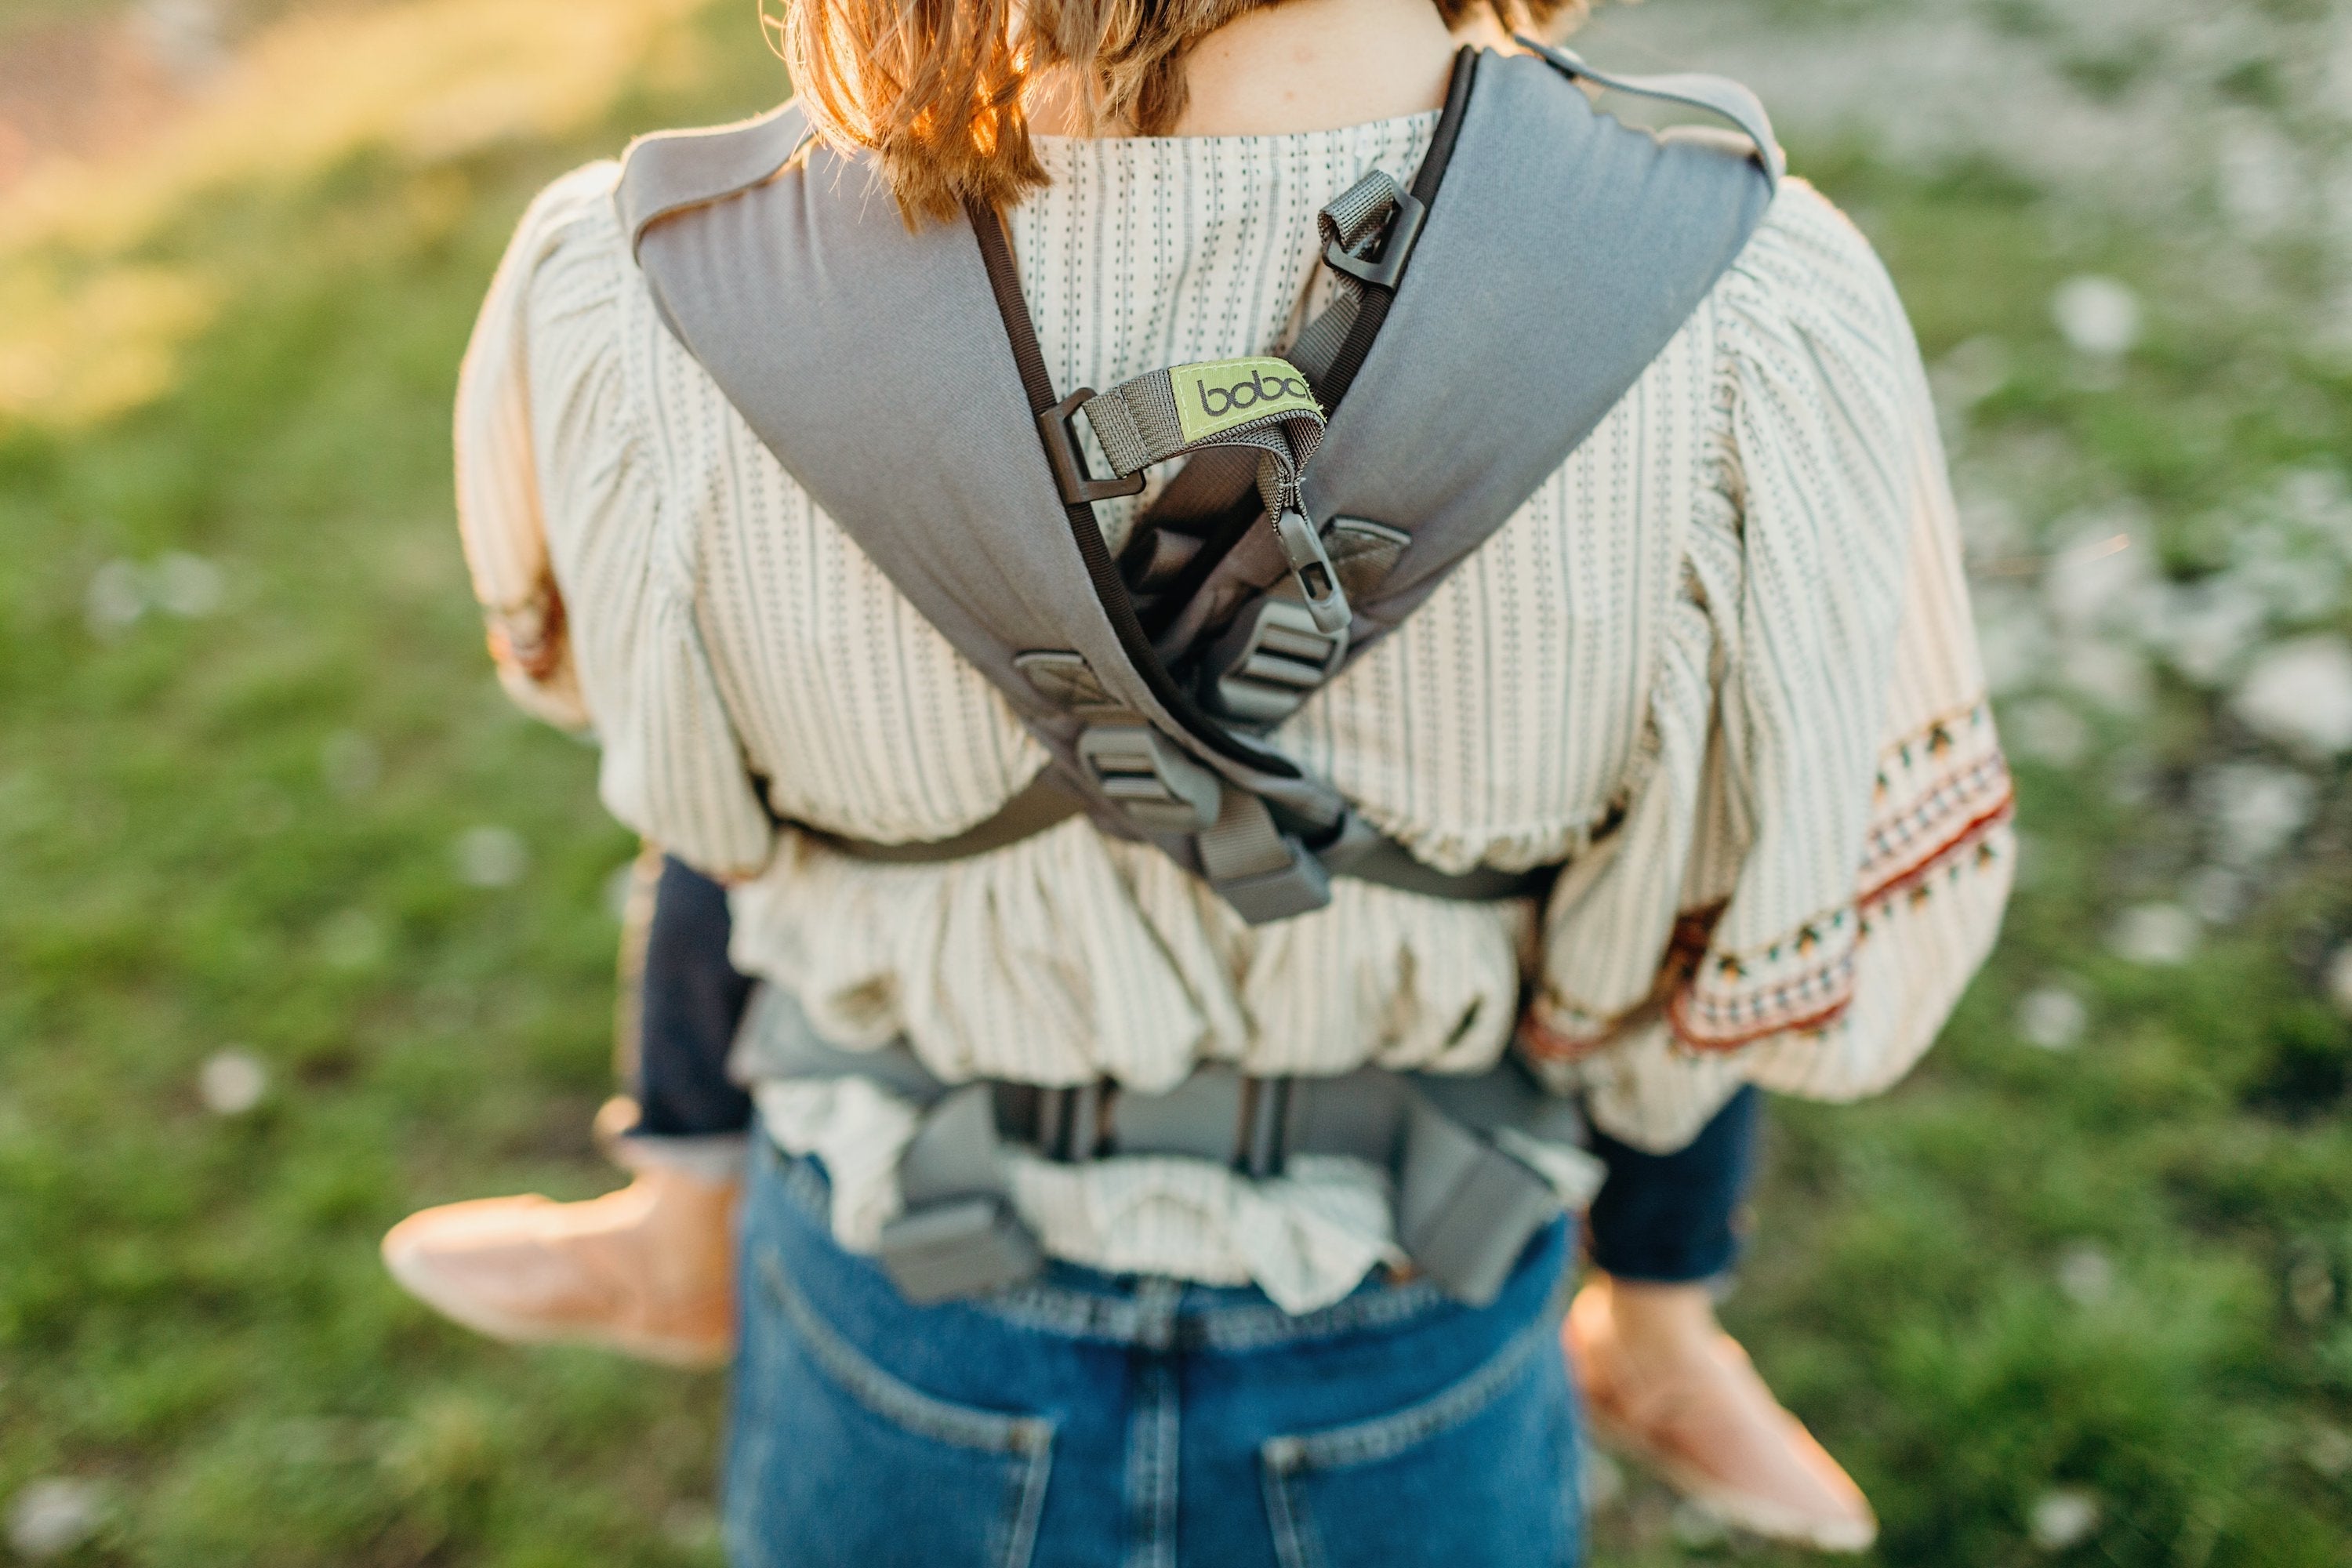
(934,87)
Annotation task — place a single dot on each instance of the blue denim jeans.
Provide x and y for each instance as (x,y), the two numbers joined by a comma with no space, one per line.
(1089,1421)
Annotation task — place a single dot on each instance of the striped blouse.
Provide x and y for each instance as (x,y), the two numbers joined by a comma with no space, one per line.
(1720,663)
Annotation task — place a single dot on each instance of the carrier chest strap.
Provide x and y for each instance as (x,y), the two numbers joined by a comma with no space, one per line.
(1480,1161)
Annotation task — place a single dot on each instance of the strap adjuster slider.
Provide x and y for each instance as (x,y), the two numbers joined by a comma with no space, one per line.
(1384,270)
(1077,487)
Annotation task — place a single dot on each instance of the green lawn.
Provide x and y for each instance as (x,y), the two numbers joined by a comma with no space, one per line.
(2104,1280)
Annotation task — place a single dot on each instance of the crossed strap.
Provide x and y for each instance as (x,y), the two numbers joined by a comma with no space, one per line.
(1259,404)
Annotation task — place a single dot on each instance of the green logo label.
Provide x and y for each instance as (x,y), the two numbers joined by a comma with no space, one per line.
(1219,394)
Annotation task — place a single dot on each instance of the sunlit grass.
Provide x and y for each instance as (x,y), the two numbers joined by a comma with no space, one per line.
(91,325)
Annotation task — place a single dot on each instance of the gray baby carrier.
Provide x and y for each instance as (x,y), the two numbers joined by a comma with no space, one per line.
(1486,319)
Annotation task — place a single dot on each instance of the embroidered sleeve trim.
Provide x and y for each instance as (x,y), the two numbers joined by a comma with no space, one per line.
(1944,829)
(1940,794)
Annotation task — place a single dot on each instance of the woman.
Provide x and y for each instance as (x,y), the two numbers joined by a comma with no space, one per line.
(1718,663)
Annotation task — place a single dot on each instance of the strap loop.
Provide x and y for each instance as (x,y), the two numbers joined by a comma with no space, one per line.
(1077,487)
(1387,268)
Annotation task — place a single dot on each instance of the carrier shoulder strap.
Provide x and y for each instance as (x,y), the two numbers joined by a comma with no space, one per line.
(875,365)
(1569,251)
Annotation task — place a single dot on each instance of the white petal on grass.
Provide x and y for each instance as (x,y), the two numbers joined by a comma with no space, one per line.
(2101,567)
(2046,730)
(116,598)
(2086,1274)
(233,1081)
(2299,694)
(1991,526)
(2205,627)
(187,586)
(2216,894)
(2339,978)
(2108,673)
(2099,316)
(491,858)
(54,1515)
(1972,373)
(350,763)
(2259,176)
(2014,637)
(2052,1017)
(2064,1517)
(2253,810)
(2156,935)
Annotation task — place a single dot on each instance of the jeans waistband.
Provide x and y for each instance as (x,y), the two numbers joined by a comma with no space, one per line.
(1156,1313)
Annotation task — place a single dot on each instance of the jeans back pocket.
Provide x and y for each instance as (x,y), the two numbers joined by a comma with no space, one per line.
(1483,1472)
(836,1463)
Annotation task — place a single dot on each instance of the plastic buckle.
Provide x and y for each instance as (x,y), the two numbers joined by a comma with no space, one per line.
(1296,888)
(1269,661)
(1077,487)
(1465,1210)
(1383,272)
(964,1248)
(1149,778)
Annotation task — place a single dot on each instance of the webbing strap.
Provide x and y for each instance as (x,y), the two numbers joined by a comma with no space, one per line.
(1352,224)
(1258,401)
(1043,804)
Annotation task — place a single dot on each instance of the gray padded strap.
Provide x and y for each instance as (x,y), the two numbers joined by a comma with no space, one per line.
(1562,253)
(1717,95)
(678,170)
(1591,243)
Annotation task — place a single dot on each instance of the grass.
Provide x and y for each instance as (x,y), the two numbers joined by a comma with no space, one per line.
(2119,1271)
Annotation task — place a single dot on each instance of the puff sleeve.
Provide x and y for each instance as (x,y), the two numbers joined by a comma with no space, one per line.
(1825,823)
(587,583)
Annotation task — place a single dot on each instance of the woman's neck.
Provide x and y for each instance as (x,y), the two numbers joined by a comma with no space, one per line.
(1314,65)
(1305,65)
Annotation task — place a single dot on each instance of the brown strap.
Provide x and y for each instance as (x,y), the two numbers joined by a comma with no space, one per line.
(1043,804)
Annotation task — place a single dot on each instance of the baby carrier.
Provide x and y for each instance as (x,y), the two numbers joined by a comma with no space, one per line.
(1485,320)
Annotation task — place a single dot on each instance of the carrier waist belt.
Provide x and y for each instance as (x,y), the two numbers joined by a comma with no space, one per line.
(1466,1206)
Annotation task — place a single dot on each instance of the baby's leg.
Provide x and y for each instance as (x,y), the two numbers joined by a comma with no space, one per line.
(1661,1378)
(648,1270)
(681,1002)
